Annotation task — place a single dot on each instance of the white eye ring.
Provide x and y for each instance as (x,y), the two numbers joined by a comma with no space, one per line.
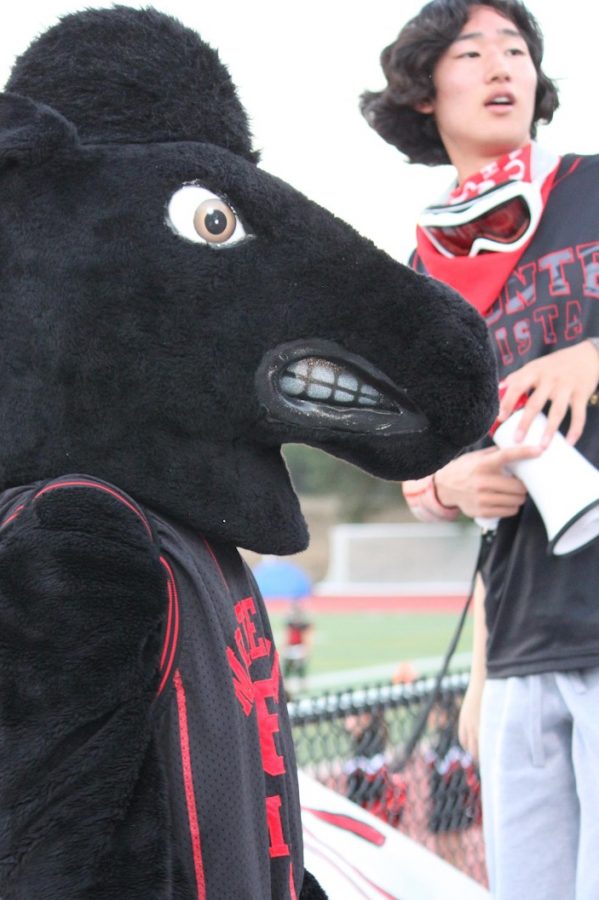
(199,215)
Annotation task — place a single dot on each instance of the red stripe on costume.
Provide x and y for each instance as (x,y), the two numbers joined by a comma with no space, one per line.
(192,813)
(168,624)
(100,487)
(292,892)
(13,515)
(172,633)
(348,823)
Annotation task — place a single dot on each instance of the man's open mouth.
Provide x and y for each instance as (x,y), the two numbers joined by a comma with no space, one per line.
(501,99)
(320,385)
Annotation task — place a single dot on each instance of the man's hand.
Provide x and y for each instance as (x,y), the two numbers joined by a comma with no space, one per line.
(479,485)
(566,379)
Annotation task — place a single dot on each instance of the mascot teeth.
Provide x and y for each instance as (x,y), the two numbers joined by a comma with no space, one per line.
(317,384)
(326,381)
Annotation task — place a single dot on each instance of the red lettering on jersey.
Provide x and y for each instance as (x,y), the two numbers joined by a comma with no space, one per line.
(278,847)
(547,315)
(501,336)
(268,722)
(242,649)
(250,692)
(242,683)
(522,336)
(264,694)
(574,326)
(588,254)
(244,611)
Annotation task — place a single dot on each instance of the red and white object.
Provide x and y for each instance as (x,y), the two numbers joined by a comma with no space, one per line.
(356,856)
(562,483)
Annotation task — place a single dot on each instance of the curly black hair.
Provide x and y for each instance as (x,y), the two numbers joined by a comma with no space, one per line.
(408,65)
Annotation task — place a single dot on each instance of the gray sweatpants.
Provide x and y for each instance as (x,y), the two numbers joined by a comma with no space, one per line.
(539,756)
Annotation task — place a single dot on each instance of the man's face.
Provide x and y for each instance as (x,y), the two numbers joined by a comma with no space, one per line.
(485,85)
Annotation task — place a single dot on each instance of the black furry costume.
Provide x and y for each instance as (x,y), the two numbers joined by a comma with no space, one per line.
(171,315)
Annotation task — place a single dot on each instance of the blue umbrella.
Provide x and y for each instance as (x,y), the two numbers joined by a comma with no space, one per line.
(281,579)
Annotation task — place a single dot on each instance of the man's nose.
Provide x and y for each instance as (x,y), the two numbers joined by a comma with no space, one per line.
(498,68)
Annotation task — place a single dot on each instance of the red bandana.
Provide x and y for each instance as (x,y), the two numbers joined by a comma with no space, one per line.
(480,278)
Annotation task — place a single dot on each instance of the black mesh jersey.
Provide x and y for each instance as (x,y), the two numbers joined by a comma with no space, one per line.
(214,776)
(223,731)
(543,611)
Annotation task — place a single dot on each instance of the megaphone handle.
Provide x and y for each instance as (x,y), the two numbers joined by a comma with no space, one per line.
(487,524)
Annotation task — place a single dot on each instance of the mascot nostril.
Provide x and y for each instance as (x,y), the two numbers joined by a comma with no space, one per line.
(171,315)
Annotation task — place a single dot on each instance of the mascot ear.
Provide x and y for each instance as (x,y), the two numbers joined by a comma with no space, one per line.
(31,132)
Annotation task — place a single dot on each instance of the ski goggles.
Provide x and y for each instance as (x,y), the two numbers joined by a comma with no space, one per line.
(502,219)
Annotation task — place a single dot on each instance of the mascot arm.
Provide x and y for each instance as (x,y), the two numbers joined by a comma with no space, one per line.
(82,607)
(311,890)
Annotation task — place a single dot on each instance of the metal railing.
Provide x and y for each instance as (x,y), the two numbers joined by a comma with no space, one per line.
(359,742)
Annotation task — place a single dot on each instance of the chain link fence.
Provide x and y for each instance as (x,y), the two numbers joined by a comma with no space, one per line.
(366,744)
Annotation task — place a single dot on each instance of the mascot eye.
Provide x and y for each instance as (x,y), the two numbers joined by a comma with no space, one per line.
(200,216)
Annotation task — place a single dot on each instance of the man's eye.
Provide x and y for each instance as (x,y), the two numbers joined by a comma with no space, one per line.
(199,215)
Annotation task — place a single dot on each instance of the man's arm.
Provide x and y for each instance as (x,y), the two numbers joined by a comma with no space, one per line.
(469,723)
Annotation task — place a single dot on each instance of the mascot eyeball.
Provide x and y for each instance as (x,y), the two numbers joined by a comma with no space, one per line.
(172,315)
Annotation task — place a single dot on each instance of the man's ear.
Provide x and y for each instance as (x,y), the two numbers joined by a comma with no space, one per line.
(31,132)
(427,107)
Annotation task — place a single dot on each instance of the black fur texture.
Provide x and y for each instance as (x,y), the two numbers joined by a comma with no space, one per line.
(77,776)
(132,353)
(311,890)
(134,76)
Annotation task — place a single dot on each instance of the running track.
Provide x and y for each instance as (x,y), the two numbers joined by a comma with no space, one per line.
(395,604)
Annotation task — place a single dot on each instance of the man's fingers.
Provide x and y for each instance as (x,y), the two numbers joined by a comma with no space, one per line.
(513,454)
(578,417)
(505,485)
(557,411)
(514,388)
(499,511)
(499,505)
(534,405)
(495,459)
(468,739)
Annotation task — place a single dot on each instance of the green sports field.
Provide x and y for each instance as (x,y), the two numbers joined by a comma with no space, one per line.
(355,642)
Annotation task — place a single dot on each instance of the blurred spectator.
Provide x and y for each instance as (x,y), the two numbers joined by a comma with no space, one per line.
(369,782)
(296,647)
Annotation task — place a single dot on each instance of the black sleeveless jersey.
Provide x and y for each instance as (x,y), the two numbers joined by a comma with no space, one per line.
(222,727)
(542,611)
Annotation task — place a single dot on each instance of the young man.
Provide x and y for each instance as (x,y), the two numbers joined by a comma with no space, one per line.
(466,86)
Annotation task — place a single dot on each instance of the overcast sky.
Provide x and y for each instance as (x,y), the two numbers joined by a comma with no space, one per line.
(300,68)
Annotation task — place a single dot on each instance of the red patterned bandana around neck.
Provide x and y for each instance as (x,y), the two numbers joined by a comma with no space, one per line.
(480,276)
(515,166)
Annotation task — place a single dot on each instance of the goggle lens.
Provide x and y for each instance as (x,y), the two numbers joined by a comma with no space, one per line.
(503,225)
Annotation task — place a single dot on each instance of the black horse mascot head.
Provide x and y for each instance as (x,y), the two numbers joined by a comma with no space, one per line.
(171,315)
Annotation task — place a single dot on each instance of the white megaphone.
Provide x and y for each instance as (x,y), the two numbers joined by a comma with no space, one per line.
(562,483)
